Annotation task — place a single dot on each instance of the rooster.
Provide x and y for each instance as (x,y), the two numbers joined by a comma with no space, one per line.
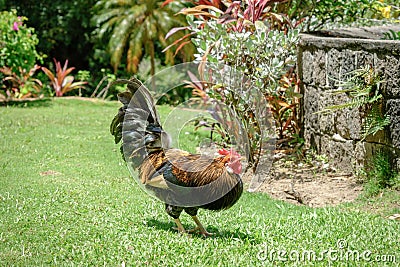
(183,181)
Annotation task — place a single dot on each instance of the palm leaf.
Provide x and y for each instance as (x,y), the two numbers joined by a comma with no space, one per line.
(128,25)
(134,52)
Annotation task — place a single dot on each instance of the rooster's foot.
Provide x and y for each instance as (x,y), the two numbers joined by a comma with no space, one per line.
(203,231)
(201,228)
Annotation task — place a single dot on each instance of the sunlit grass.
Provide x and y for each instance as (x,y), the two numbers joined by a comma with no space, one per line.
(67,198)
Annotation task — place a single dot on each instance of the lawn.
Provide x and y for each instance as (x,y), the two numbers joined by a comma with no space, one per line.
(67,198)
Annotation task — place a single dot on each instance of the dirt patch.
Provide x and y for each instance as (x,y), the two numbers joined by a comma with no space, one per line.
(315,186)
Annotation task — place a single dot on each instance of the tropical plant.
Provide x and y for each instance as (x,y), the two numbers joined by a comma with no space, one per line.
(391,35)
(389,10)
(63,28)
(20,84)
(316,14)
(61,81)
(236,15)
(84,76)
(363,88)
(259,46)
(17,43)
(284,106)
(135,28)
(379,174)
(308,14)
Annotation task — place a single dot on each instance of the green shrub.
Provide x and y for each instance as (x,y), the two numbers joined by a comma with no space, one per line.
(17,43)
(316,14)
(18,57)
(20,85)
(391,35)
(379,175)
(260,48)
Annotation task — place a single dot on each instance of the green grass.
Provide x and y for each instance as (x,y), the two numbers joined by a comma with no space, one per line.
(90,212)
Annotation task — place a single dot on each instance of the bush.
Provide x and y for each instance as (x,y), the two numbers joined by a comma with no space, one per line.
(18,58)
(21,85)
(316,14)
(259,46)
(258,39)
(379,175)
(17,43)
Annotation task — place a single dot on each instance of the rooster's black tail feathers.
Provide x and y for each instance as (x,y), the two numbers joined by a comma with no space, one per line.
(134,121)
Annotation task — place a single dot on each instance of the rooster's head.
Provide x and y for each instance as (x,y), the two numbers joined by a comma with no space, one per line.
(232,160)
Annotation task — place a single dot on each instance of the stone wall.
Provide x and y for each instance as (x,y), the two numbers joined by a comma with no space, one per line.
(322,62)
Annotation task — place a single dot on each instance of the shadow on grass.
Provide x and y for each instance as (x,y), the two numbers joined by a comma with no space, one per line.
(27,103)
(224,234)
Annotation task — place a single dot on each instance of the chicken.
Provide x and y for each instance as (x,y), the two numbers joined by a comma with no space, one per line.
(183,181)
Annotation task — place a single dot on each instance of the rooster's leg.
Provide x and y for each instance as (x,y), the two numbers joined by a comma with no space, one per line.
(200,227)
(181,229)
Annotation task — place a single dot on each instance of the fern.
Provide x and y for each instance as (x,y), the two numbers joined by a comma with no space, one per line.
(374,123)
(392,35)
(363,89)
(353,103)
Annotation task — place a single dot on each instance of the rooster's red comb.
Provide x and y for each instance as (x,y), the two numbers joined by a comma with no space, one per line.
(225,152)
